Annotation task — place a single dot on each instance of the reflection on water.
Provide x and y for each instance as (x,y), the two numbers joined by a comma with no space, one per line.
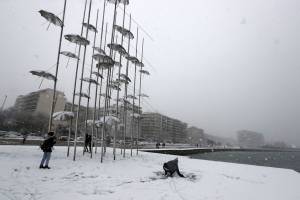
(289,160)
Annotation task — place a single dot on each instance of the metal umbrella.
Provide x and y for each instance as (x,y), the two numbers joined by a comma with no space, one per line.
(125,2)
(114,87)
(143,95)
(119,48)
(133,59)
(144,72)
(109,120)
(131,96)
(101,51)
(98,74)
(103,61)
(63,116)
(90,27)
(51,18)
(69,54)
(82,95)
(122,81)
(90,80)
(124,31)
(77,39)
(124,76)
(43,74)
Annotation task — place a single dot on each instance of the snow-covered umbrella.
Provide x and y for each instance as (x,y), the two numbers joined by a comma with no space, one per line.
(124,32)
(97,74)
(83,95)
(77,39)
(124,76)
(114,87)
(90,80)
(63,116)
(125,2)
(122,100)
(109,120)
(69,54)
(51,18)
(103,61)
(103,95)
(122,80)
(118,64)
(144,95)
(131,96)
(135,115)
(43,74)
(101,51)
(144,72)
(119,48)
(132,59)
(90,27)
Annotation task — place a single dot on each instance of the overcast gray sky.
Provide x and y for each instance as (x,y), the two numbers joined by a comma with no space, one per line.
(221,65)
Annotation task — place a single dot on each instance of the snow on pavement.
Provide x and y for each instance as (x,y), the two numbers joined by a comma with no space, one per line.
(138,177)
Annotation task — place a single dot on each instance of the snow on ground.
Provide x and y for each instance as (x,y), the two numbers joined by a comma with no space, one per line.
(138,177)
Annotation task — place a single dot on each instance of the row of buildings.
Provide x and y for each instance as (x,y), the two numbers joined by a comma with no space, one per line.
(155,127)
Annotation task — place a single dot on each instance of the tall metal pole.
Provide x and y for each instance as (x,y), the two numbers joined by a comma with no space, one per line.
(75,82)
(107,82)
(133,99)
(102,73)
(118,92)
(125,93)
(82,71)
(56,70)
(5,97)
(98,70)
(140,110)
(89,90)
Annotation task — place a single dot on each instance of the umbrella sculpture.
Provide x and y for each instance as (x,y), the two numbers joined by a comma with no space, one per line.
(119,48)
(51,18)
(90,27)
(131,97)
(77,39)
(101,51)
(63,116)
(98,74)
(82,95)
(109,120)
(122,80)
(133,59)
(103,61)
(125,2)
(90,80)
(124,76)
(69,54)
(144,72)
(143,95)
(43,74)
(114,87)
(124,32)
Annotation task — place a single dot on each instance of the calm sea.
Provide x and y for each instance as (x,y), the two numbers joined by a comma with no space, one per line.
(289,160)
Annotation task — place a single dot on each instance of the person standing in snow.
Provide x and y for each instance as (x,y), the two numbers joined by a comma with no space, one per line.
(171,167)
(47,146)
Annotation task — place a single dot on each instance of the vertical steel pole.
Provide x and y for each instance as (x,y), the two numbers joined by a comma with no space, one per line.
(80,90)
(98,70)
(107,84)
(89,90)
(133,99)
(140,110)
(118,92)
(102,73)
(125,93)
(57,66)
(75,84)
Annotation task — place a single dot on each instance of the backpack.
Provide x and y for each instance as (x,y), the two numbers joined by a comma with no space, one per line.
(43,146)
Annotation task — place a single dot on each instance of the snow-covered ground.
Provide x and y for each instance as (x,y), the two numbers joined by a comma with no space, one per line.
(138,177)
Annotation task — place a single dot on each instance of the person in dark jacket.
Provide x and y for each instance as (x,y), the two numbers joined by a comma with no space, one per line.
(88,143)
(47,146)
(171,167)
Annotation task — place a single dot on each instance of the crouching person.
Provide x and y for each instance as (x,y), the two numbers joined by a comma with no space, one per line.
(171,167)
(47,146)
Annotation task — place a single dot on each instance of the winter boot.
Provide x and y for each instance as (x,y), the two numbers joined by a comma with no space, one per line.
(41,167)
(47,167)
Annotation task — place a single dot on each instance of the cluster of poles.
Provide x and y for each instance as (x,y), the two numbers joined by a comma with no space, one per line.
(110,76)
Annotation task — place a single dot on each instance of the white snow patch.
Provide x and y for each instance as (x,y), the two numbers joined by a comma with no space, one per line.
(138,177)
